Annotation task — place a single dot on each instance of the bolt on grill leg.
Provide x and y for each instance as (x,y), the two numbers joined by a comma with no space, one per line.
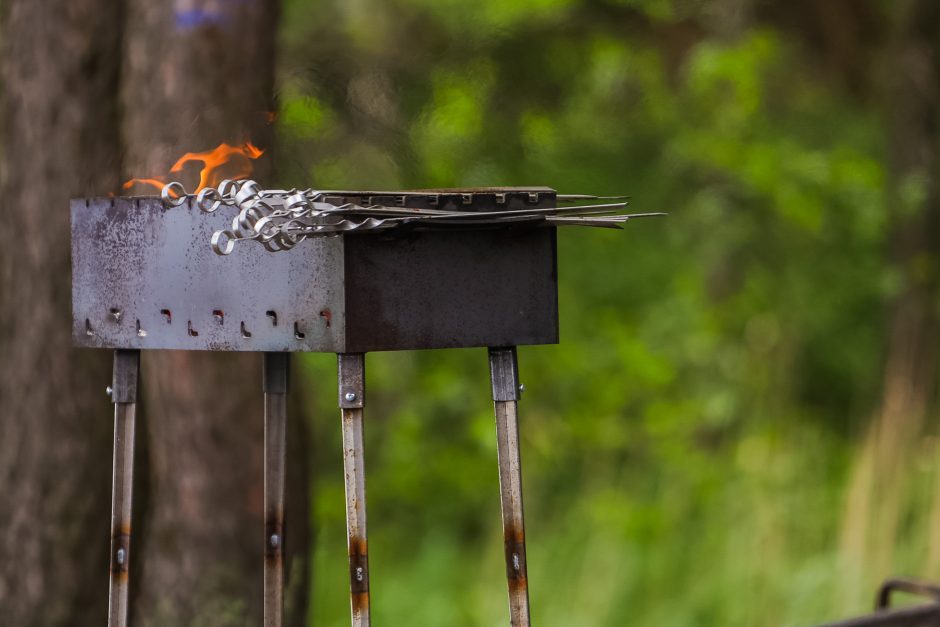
(274,377)
(351,401)
(123,392)
(504,375)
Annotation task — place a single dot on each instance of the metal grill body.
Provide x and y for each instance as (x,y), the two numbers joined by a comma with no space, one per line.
(144,277)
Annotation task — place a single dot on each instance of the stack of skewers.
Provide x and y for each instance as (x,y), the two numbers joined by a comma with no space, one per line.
(281,219)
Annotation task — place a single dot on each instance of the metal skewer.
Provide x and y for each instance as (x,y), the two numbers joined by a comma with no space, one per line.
(504,376)
(123,392)
(279,219)
(352,400)
(574,197)
(275,375)
(445,215)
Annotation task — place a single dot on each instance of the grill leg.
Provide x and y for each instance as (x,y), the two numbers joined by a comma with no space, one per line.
(504,374)
(124,396)
(274,377)
(351,401)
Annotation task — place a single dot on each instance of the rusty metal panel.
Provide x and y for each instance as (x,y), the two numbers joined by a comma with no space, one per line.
(145,277)
(451,289)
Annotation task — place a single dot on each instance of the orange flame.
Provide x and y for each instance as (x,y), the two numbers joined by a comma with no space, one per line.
(213,160)
(155,182)
(233,161)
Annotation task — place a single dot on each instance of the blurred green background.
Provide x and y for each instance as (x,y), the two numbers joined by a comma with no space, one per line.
(701,448)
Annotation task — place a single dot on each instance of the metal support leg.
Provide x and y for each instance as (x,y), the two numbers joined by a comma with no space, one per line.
(351,401)
(123,392)
(275,376)
(504,374)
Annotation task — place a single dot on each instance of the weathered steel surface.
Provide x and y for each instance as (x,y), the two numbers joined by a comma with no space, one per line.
(351,399)
(144,276)
(124,396)
(275,379)
(505,373)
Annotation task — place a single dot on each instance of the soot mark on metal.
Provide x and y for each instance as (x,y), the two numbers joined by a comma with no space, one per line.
(274,527)
(359,572)
(514,545)
(120,551)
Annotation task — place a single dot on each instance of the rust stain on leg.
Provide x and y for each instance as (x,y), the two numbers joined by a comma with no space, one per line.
(514,546)
(358,566)
(359,574)
(120,551)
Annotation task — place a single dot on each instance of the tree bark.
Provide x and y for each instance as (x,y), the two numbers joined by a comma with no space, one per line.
(198,73)
(913,107)
(59,132)
(912,111)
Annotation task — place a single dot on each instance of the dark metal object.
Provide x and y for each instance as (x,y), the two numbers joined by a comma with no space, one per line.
(144,277)
(927,615)
(351,368)
(451,289)
(920,616)
(352,381)
(275,382)
(504,374)
(910,586)
(124,396)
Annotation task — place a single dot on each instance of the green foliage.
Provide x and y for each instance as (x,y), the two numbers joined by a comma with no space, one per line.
(686,448)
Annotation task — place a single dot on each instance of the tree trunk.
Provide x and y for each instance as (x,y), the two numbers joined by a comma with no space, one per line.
(912,107)
(59,139)
(197,74)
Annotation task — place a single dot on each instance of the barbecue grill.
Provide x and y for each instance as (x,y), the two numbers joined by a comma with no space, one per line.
(239,268)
